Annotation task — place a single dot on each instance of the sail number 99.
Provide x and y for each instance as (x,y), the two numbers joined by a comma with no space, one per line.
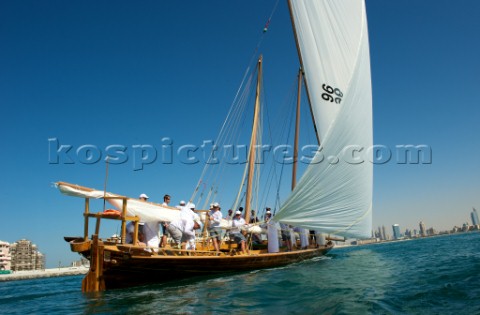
(332,95)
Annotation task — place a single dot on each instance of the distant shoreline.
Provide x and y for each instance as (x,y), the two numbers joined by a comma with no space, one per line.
(47,273)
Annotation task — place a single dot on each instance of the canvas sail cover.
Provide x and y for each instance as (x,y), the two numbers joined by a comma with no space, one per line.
(147,211)
(335,193)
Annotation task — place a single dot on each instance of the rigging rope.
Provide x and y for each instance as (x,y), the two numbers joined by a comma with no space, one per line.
(234,120)
(287,113)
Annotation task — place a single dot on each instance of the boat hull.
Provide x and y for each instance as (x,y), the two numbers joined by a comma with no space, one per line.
(121,270)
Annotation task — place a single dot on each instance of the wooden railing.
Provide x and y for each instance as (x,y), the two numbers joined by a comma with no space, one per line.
(100,215)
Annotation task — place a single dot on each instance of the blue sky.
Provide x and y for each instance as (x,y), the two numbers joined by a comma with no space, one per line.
(105,73)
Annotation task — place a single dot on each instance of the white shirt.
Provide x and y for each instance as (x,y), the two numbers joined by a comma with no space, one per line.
(185,226)
(188,229)
(237,224)
(150,230)
(217,218)
(189,217)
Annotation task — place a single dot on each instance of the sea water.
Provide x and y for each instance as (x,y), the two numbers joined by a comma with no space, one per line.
(435,275)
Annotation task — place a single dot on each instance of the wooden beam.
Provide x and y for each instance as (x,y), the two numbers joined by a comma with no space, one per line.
(87,210)
(297,131)
(124,225)
(253,141)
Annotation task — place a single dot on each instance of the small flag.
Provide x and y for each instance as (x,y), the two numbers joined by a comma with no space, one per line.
(265,29)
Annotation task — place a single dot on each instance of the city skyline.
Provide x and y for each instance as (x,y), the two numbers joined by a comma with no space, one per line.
(422,227)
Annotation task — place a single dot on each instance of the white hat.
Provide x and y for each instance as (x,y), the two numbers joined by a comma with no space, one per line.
(192,206)
(143,196)
(182,203)
(238,212)
(216,205)
(268,212)
(197,219)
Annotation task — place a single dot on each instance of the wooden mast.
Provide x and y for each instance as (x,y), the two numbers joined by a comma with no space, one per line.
(297,131)
(253,141)
(301,64)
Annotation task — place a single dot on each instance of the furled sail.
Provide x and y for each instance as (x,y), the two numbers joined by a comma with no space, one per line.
(147,211)
(335,193)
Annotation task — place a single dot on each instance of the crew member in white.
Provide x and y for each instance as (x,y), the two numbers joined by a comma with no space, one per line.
(215,230)
(235,232)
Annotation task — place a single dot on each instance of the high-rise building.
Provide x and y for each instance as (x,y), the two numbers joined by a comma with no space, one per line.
(379,233)
(474,216)
(25,256)
(5,258)
(396,231)
(384,234)
(423,229)
(408,233)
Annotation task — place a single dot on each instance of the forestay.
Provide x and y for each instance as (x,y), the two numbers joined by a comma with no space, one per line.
(335,193)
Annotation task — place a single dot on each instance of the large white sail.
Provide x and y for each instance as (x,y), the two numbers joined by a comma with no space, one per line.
(335,196)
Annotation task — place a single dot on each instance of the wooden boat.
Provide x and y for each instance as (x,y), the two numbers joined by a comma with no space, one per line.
(115,264)
(333,197)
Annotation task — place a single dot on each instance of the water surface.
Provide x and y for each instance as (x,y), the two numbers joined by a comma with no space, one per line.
(437,275)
